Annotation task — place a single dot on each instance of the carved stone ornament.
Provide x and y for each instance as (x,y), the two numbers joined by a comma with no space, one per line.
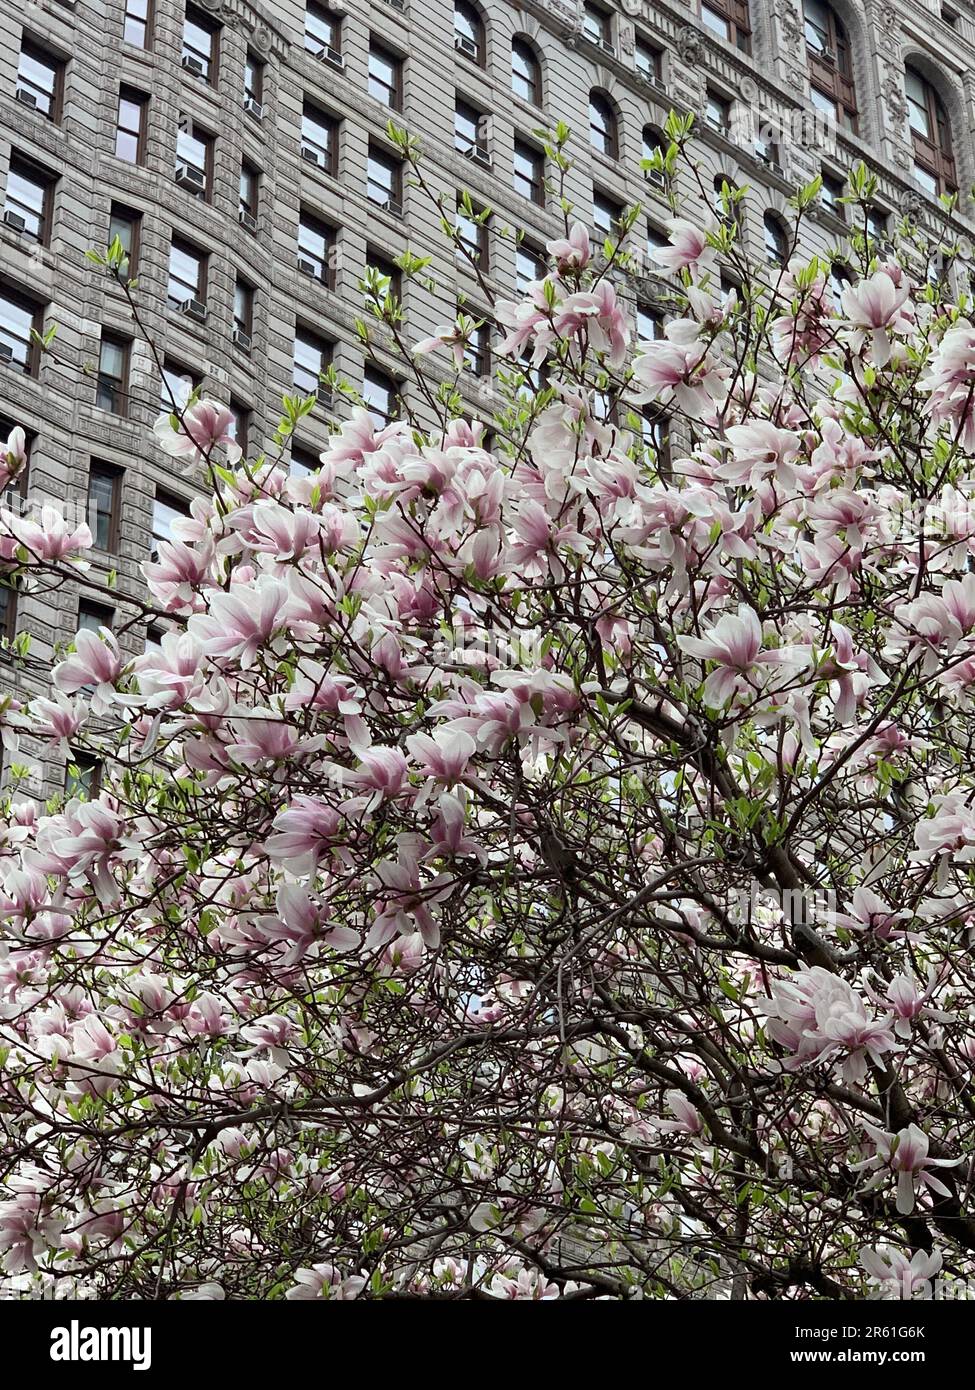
(788,17)
(912,205)
(690,44)
(261,39)
(894,99)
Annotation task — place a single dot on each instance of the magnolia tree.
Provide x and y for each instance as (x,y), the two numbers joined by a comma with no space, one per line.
(530,866)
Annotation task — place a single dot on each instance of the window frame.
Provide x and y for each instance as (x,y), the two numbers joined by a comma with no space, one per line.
(534,94)
(146,21)
(29,171)
(476,38)
(140,100)
(28,365)
(38,52)
(199,19)
(604,134)
(525,149)
(830,68)
(386,160)
(310,222)
(114,473)
(201,259)
(737,19)
(312,113)
(380,52)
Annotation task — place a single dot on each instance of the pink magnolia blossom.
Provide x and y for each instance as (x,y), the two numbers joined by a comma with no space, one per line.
(906,1154)
(202,426)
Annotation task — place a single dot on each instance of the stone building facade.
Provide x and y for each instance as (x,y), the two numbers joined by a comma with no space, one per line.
(240,147)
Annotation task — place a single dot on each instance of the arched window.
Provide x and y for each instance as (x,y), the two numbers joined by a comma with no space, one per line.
(776,240)
(469,31)
(603,131)
(830,63)
(526,72)
(934,163)
(654,143)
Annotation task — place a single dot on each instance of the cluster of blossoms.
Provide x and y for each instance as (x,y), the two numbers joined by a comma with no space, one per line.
(396,954)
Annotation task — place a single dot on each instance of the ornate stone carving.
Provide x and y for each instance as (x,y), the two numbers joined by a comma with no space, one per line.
(788,17)
(690,44)
(894,99)
(912,205)
(261,39)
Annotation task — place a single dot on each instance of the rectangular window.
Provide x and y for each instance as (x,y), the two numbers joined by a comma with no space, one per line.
(20,317)
(385,76)
(130,128)
(187,277)
(243,314)
(201,45)
(311,358)
(529,172)
(597,26)
(166,509)
(315,243)
(390,280)
(384,180)
(28,199)
(472,239)
(649,323)
(470,131)
(253,86)
(606,212)
(240,424)
(138,18)
(176,386)
(112,389)
(8,611)
(718,113)
(649,60)
(381,396)
(82,776)
(729,19)
(104,503)
(529,266)
(40,80)
(250,195)
(92,616)
(319,138)
(194,159)
(323,33)
(126,225)
(303,461)
(477,349)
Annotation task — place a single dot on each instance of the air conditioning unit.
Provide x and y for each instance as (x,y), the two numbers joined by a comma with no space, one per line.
(324,396)
(828,56)
(608,46)
(191,178)
(307,267)
(254,108)
(313,156)
(331,55)
(194,308)
(656,176)
(247,220)
(242,340)
(193,64)
(27,98)
(479,153)
(390,205)
(465,45)
(14,220)
(397,5)
(6,353)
